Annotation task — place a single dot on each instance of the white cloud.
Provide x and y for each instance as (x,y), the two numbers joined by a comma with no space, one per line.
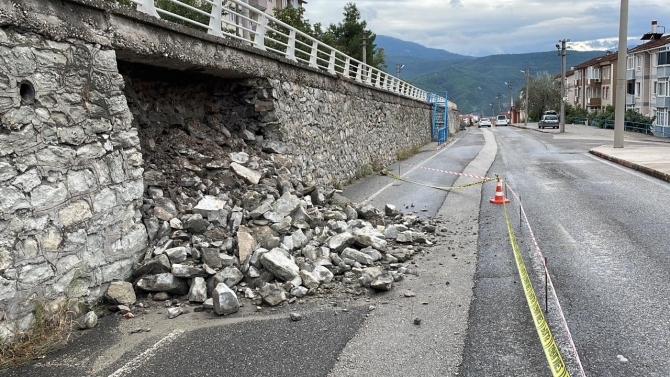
(481,27)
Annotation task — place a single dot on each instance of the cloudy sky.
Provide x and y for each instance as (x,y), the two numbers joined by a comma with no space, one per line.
(486,27)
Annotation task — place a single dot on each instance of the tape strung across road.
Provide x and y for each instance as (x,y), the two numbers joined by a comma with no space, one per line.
(443,188)
(551,351)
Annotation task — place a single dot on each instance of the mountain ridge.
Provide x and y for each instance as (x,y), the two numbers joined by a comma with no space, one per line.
(471,82)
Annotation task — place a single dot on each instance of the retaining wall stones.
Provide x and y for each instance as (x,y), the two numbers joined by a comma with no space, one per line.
(70,175)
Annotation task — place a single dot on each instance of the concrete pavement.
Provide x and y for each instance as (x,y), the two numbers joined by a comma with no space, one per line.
(645,153)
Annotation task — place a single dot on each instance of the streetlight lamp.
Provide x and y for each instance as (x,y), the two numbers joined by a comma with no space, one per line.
(527,72)
(398,67)
(511,103)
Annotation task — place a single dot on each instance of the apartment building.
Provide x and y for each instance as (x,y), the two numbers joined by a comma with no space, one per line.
(592,84)
(647,74)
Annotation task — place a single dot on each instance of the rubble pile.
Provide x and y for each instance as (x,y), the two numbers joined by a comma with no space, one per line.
(227,220)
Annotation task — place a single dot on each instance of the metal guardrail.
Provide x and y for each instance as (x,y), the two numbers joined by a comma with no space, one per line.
(242,22)
(645,128)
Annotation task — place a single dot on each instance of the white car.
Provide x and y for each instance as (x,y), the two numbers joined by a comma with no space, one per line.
(484,122)
(501,120)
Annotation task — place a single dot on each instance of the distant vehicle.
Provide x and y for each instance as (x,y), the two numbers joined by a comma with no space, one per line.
(548,120)
(501,120)
(484,122)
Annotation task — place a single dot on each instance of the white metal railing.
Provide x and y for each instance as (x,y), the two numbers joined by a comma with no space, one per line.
(240,21)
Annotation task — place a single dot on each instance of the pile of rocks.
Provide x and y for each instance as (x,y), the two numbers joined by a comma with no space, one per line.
(224,225)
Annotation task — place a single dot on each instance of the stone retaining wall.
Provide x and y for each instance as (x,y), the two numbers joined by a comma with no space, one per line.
(70,175)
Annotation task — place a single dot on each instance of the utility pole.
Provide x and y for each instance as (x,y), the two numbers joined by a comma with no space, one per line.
(562,50)
(511,101)
(527,72)
(492,110)
(620,105)
(364,43)
(499,105)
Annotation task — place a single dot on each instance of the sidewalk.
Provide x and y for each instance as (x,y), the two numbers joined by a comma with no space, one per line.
(645,153)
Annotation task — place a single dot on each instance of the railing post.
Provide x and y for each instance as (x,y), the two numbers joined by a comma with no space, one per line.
(215,19)
(378,79)
(290,49)
(347,67)
(261,29)
(331,62)
(313,62)
(368,75)
(358,72)
(148,7)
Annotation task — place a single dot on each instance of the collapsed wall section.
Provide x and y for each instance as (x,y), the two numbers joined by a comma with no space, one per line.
(70,175)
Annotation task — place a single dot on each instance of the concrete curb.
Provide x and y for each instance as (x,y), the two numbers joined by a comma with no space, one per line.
(641,168)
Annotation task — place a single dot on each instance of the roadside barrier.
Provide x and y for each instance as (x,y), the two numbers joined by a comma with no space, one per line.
(499,198)
(551,350)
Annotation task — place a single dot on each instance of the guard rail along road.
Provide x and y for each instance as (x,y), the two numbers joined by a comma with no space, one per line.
(242,22)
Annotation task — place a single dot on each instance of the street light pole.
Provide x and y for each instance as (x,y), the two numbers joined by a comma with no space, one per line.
(620,105)
(511,102)
(562,48)
(527,72)
(499,106)
(398,67)
(493,112)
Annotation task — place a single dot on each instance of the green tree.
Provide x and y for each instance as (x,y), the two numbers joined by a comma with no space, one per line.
(544,94)
(348,37)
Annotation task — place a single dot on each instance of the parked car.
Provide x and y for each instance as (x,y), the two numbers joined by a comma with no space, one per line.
(484,122)
(501,120)
(548,120)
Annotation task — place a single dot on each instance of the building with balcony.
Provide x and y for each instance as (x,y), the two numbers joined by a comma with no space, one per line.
(647,75)
(592,83)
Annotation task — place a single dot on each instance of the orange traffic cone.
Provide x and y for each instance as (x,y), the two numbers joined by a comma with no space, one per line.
(500,197)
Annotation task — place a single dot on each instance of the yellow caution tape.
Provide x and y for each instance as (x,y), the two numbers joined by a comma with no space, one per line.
(443,188)
(551,351)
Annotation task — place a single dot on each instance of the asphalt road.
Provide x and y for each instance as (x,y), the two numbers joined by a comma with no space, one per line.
(603,229)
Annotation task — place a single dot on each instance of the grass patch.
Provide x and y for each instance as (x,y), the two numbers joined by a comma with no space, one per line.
(406,153)
(51,330)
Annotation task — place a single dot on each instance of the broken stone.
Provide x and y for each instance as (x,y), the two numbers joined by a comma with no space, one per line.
(383,282)
(163,283)
(323,274)
(273,294)
(339,242)
(209,204)
(250,176)
(279,264)
(121,292)
(198,290)
(310,280)
(186,271)
(225,300)
(174,312)
(357,256)
(176,254)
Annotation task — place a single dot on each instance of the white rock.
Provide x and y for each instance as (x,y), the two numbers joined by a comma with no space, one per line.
(225,300)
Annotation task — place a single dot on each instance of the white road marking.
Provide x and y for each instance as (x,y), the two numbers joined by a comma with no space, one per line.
(149,352)
(655,181)
(408,171)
